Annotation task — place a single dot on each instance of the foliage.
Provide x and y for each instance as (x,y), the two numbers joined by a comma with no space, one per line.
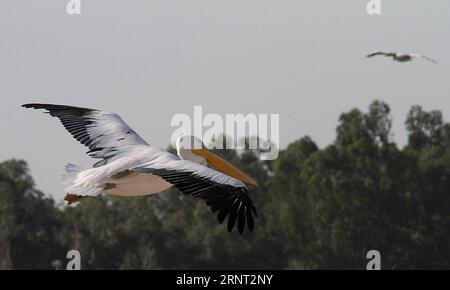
(319,208)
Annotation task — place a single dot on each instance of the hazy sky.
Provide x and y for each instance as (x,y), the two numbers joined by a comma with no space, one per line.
(148,60)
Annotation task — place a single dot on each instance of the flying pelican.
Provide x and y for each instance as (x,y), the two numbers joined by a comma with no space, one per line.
(401,57)
(131,167)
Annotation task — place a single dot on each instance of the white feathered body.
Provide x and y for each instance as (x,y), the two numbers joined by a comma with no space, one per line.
(115,178)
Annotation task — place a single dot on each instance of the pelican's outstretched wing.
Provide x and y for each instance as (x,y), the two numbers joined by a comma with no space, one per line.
(105,134)
(221,192)
(424,57)
(374,53)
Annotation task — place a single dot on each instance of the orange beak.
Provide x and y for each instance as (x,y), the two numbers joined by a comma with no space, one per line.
(224,166)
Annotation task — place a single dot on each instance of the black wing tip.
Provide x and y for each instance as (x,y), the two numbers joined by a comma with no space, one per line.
(42,106)
(30,106)
(254,210)
(247,216)
(240,212)
(53,107)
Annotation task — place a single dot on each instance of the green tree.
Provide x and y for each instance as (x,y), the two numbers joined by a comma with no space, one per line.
(318,208)
(29,222)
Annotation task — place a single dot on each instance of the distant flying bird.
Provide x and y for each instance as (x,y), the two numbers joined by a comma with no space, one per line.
(401,57)
(131,167)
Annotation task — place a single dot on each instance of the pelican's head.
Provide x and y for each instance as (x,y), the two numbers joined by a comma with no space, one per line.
(191,148)
(186,146)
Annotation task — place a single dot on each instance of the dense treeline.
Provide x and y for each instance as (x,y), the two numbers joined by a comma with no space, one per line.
(319,208)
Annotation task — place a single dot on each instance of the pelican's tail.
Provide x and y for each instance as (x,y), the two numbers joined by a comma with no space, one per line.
(75,189)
